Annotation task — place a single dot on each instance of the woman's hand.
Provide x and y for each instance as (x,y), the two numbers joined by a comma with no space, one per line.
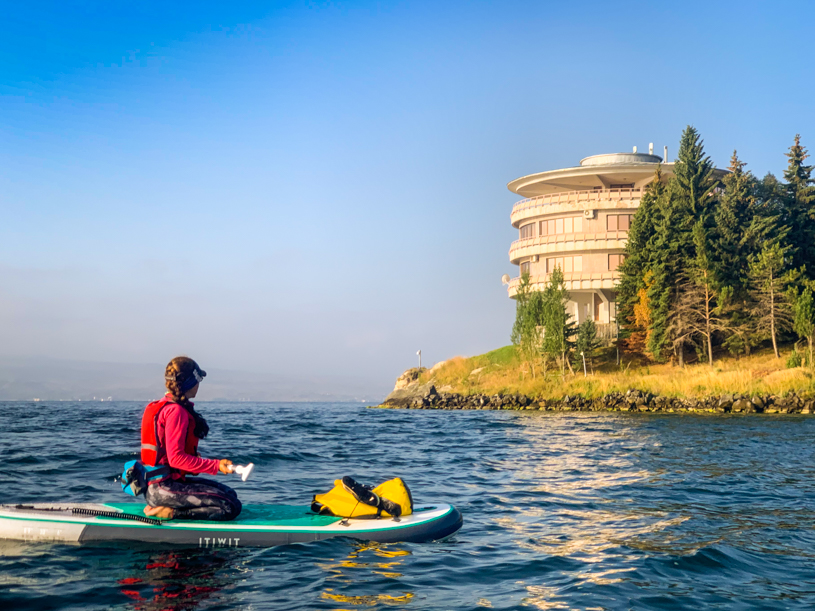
(225,466)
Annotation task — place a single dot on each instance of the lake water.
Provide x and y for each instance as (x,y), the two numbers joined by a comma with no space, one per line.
(561,511)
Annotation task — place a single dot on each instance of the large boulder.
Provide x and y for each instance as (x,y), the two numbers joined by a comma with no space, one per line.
(742,405)
(726,402)
(437,366)
(411,395)
(409,377)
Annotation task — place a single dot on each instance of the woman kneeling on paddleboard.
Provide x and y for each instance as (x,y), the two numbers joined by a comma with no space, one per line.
(170,432)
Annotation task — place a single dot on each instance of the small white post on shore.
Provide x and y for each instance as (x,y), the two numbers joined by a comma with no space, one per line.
(420,358)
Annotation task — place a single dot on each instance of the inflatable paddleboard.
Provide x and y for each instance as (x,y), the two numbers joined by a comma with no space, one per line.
(257,526)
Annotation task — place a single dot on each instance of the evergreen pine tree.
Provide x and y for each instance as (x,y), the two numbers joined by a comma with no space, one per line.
(519,327)
(733,215)
(770,282)
(558,328)
(701,295)
(637,263)
(745,217)
(799,199)
(665,268)
(770,198)
(693,185)
(586,345)
(690,196)
(526,331)
(680,324)
(804,322)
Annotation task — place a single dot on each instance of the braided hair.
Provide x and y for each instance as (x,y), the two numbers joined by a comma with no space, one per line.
(177,376)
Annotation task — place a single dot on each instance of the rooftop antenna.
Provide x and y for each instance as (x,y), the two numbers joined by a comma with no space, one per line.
(505,279)
(650,148)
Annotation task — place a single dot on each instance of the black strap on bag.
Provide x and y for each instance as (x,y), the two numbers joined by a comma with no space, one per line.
(366,495)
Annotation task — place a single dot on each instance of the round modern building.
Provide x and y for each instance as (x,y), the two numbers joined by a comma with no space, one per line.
(578,219)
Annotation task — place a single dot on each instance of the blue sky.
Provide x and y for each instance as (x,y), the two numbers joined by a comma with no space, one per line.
(320,188)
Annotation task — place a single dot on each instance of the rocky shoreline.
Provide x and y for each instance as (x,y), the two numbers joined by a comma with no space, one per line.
(425,396)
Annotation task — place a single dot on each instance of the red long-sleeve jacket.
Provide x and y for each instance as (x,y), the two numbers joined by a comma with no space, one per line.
(177,443)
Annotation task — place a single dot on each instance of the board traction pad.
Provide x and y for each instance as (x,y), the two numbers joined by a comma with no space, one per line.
(252,515)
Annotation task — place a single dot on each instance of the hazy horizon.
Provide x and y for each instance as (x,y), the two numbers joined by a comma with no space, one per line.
(22,380)
(300,196)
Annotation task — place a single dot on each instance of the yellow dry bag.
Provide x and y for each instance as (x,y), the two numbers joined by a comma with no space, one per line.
(349,499)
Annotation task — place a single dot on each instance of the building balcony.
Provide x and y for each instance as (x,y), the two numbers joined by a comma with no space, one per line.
(567,242)
(572,201)
(577,281)
(607,332)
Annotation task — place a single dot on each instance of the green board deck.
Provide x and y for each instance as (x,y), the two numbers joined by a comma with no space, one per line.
(253,515)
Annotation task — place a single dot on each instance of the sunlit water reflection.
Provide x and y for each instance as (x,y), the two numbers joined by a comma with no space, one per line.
(562,511)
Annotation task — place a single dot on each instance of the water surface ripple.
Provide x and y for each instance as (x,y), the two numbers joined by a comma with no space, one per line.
(561,511)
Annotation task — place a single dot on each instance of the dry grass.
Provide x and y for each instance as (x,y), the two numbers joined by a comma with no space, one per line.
(501,371)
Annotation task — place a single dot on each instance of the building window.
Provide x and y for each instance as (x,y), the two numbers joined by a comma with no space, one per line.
(614,261)
(618,222)
(525,267)
(528,231)
(625,222)
(567,265)
(623,185)
(572,224)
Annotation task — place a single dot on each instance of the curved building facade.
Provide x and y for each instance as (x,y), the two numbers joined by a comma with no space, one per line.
(578,219)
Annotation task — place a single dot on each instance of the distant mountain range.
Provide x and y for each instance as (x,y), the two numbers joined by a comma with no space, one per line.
(55,379)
